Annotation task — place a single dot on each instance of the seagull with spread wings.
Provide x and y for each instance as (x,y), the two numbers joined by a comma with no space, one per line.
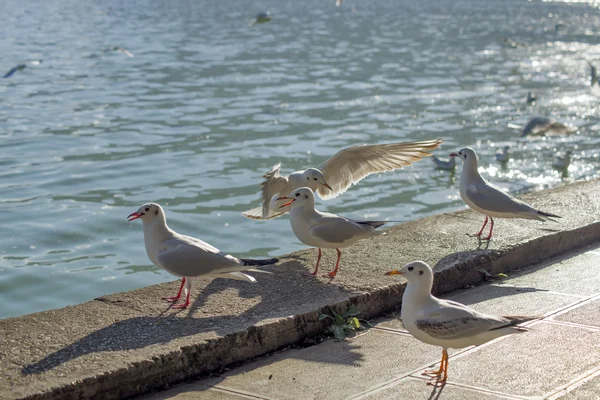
(347,167)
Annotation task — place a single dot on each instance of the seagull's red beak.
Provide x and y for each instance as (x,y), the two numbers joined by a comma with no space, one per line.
(453,154)
(133,216)
(327,185)
(285,198)
(394,272)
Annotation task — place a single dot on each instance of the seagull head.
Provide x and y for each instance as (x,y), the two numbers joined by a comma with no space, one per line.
(147,213)
(467,154)
(314,178)
(299,198)
(415,272)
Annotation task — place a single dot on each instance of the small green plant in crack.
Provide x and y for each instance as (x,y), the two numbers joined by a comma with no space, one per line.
(346,323)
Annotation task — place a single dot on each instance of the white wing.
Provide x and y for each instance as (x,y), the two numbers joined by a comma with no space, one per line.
(257,214)
(272,185)
(352,164)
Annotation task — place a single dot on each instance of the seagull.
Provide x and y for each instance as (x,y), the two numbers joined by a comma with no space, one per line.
(562,162)
(447,323)
(593,74)
(531,98)
(21,67)
(325,230)
(490,200)
(120,49)
(186,256)
(261,18)
(338,2)
(542,126)
(503,154)
(348,166)
(449,165)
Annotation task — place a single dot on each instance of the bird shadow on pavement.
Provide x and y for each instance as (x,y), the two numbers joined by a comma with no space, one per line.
(223,307)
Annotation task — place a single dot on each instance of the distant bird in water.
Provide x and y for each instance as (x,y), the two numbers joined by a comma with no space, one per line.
(261,18)
(120,49)
(542,126)
(21,67)
(445,165)
(562,162)
(508,42)
(531,98)
(338,2)
(502,155)
(593,74)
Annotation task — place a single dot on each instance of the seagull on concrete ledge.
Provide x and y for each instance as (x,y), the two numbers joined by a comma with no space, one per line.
(325,230)
(447,323)
(186,256)
(347,167)
(490,200)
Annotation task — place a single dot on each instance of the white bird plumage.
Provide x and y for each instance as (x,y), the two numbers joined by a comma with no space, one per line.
(562,162)
(446,323)
(482,196)
(325,230)
(186,256)
(347,167)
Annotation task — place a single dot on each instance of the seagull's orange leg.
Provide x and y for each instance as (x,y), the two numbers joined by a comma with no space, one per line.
(439,371)
(175,298)
(441,378)
(337,264)
(489,237)
(316,266)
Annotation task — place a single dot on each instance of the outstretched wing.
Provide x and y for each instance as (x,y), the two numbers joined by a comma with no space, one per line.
(350,165)
(257,214)
(272,185)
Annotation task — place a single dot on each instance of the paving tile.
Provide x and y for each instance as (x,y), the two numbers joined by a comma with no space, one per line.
(590,390)
(531,363)
(581,277)
(587,314)
(411,388)
(196,391)
(331,370)
(506,299)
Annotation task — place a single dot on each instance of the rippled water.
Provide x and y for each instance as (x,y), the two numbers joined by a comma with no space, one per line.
(208,104)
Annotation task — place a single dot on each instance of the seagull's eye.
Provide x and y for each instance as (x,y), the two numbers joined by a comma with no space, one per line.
(410,268)
(147,209)
(306,197)
(308,178)
(297,194)
(420,272)
(315,179)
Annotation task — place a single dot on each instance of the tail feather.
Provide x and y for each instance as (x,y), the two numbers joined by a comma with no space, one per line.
(374,224)
(515,320)
(238,276)
(269,261)
(548,215)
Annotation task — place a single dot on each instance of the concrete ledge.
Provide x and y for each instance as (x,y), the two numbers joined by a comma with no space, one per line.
(130,343)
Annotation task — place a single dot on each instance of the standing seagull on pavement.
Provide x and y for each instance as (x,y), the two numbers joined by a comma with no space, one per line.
(446,323)
(325,230)
(489,200)
(186,256)
(348,166)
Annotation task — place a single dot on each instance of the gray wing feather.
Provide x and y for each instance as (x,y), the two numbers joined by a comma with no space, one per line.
(336,230)
(490,198)
(272,185)
(456,321)
(186,256)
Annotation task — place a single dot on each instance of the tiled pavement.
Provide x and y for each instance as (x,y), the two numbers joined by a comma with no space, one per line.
(558,357)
